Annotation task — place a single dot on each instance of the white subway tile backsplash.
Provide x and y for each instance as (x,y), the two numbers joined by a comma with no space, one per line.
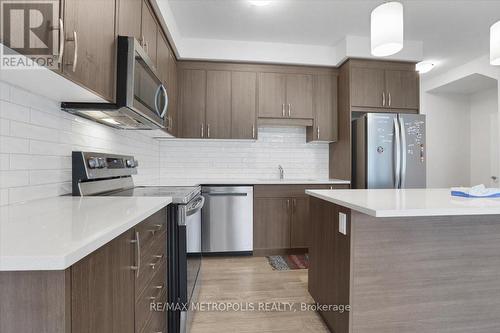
(36,141)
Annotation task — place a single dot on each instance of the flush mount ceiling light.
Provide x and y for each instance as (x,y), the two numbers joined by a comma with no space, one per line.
(259,3)
(424,67)
(387,29)
(495,44)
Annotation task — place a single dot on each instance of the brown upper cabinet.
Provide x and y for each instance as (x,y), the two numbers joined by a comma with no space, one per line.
(384,85)
(173,101)
(90,45)
(129,18)
(285,95)
(218,111)
(193,103)
(243,105)
(325,126)
(149,31)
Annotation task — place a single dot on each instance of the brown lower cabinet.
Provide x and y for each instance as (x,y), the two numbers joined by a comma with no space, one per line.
(108,291)
(281,217)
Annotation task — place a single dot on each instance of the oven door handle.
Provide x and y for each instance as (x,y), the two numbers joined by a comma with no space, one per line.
(196,206)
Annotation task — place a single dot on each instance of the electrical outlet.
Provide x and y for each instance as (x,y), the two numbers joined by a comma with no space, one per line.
(343,223)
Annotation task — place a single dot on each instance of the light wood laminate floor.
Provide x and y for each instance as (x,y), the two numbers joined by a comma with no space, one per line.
(251,280)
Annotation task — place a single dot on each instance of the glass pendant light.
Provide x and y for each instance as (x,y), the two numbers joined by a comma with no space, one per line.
(387,29)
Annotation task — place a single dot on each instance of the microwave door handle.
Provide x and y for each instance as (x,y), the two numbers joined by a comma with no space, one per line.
(397,155)
(403,151)
(156,99)
(165,106)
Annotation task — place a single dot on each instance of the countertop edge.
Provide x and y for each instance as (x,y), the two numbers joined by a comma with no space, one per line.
(60,263)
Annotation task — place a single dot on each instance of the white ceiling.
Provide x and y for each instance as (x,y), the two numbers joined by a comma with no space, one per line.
(467,85)
(452,32)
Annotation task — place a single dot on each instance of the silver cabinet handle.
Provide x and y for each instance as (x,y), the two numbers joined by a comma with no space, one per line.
(208,130)
(383,98)
(289,109)
(202,128)
(160,292)
(61,41)
(317,132)
(75,55)
(253,131)
(157,228)
(158,258)
(170,123)
(288,203)
(137,243)
(282,110)
(389,99)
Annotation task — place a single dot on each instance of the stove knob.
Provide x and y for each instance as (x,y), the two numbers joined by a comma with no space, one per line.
(102,163)
(129,163)
(136,163)
(93,163)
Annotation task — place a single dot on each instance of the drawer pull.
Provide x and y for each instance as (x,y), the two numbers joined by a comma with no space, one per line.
(137,243)
(160,292)
(157,227)
(158,258)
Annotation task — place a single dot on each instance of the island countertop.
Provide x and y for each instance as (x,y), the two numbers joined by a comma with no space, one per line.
(55,233)
(408,202)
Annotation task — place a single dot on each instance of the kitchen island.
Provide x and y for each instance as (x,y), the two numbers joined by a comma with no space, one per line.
(416,260)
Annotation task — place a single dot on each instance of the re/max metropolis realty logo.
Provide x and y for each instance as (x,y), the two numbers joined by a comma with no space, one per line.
(29,34)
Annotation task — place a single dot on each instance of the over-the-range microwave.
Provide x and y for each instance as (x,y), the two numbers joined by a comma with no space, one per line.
(141,97)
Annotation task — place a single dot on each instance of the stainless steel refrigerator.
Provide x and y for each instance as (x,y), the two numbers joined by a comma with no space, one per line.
(389,151)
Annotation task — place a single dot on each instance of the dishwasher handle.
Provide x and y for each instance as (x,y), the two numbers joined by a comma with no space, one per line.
(226,194)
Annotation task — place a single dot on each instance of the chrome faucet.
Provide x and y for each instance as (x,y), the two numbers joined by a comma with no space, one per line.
(282,172)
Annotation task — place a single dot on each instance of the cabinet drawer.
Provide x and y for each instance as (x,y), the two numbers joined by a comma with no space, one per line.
(151,261)
(153,293)
(290,191)
(158,321)
(151,229)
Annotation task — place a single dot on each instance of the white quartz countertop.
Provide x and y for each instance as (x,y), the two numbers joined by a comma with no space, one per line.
(246,181)
(55,233)
(408,202)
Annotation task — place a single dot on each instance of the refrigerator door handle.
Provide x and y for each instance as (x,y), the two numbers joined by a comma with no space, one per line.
(403,151)
(397,150)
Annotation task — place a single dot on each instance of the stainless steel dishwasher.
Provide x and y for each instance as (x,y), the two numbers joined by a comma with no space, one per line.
(227,220)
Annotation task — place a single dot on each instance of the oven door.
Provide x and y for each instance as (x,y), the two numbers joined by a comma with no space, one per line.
(189,257)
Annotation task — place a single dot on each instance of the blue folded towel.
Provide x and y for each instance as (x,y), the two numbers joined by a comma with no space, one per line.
(479,191)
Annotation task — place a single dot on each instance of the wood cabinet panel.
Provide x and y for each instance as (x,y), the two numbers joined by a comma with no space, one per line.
(173,99)
(93,22)
(193,97)
(102,284)
(218,110)
(162,58)
(271,223)
(402,89)
(299,96)
(272,95)
(325,109)
(300,226)
(128,16)
(367,87)
(243,105)
(149,31)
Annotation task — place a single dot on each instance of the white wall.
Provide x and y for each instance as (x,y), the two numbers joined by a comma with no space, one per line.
(197,159)
(36,141)
(484,136)
(448,139)
(455,136)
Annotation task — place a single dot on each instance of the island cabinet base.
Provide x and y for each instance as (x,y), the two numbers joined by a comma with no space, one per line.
(406,274)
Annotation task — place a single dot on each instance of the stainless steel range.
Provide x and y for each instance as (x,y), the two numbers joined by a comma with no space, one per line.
(111,175)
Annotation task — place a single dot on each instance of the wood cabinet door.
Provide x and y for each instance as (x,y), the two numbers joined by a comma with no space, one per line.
(149,31)
(300,226)
(367,87)
(94,50)
(128,18)
(162,58)
(402,89)
(325,108)
(102,284)
(193,98)
(272,98)
(173,99)
(243,105)
(271,223)
(218,114)
(299,96)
